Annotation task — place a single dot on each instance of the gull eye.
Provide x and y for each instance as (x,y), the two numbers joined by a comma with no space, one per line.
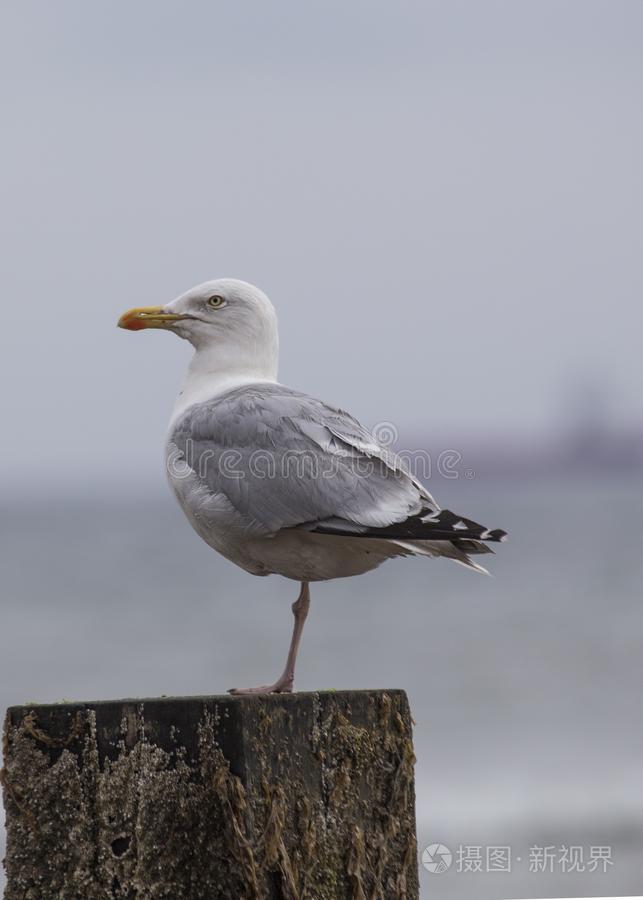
(216,302)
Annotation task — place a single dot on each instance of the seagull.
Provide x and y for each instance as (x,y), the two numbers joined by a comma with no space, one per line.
(277,481)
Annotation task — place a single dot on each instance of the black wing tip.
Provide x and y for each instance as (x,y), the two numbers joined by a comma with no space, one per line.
(446,525)
(497,534)
(428,525)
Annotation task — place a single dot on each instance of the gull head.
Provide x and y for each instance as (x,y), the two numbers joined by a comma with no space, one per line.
(226,320)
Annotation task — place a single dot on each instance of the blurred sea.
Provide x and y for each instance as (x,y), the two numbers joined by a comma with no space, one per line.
(525,687)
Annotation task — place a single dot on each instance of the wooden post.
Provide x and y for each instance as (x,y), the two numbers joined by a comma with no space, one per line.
(293,796)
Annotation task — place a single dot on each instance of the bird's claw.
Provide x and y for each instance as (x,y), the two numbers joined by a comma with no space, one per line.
(279,687)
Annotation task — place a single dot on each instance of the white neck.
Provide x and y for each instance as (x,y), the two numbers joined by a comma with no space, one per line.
(209,375)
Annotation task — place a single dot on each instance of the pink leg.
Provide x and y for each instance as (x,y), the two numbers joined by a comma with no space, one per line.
(284,683)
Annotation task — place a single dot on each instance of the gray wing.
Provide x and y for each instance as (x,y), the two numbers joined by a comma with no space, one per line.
(284,459)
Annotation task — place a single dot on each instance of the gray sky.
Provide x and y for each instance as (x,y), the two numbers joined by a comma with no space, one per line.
(443,201)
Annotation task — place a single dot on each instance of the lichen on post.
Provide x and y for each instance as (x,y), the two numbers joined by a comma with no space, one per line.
(294,796)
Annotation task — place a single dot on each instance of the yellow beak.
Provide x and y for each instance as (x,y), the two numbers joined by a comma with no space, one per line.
(147,317)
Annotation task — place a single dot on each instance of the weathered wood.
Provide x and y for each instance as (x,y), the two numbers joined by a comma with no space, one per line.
(272,796)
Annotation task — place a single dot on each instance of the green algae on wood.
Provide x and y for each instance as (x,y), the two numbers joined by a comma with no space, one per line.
(296,797)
